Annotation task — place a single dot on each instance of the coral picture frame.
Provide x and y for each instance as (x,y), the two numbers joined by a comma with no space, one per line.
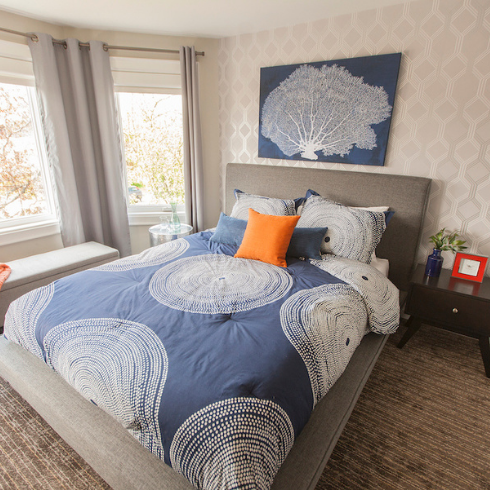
(469,266)
(331,111)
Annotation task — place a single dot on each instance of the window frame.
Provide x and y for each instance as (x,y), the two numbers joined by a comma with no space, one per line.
(145,76)
(23,228)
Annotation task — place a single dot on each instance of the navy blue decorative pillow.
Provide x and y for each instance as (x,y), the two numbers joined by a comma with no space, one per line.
(305,242)
(300,201)
(310,193)
(388,216)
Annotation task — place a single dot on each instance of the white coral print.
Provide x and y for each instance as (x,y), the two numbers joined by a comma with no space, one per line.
(325,109)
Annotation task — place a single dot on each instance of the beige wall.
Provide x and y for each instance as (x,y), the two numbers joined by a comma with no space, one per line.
(26,248)
(441,124)
(208,72)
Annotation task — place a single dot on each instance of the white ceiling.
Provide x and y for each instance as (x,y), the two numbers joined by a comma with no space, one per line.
(204,18)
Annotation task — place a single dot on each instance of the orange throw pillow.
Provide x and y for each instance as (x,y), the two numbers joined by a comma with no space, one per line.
(267,238)
(4,273)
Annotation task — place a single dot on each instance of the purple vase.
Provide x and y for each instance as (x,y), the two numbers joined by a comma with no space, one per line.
(434,264)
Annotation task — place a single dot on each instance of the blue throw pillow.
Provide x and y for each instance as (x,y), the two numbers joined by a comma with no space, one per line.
(229,231)
(310,193)
(388,216)
(305,242)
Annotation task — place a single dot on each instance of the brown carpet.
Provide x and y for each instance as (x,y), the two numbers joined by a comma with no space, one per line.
(422,422)
(33,456)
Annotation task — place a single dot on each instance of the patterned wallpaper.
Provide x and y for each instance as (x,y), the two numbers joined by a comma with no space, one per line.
(441,119)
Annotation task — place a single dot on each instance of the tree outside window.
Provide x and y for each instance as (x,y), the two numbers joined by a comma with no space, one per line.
(152,128)
(22,191)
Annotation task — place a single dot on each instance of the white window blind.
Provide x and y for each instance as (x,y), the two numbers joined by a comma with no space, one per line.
(141,75)
(16,64)
(145,75)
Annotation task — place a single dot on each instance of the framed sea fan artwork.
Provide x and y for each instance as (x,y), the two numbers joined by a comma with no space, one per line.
(329,111)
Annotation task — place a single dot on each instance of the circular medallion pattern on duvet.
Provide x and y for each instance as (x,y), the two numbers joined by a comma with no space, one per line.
(119,365)
(151,256)
(218,284)
(234,443)
(325,325)
(22,317)
(381,294)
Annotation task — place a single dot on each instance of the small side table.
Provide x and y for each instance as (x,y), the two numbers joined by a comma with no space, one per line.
(161,234)
(453,304)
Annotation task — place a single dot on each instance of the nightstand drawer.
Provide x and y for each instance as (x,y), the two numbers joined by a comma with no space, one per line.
(451,309)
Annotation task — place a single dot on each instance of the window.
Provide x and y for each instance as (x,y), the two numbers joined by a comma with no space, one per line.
(24,193)
(150,105)
(152,133)
(26,205)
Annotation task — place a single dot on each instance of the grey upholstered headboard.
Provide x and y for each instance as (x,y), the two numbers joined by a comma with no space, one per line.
(407,196)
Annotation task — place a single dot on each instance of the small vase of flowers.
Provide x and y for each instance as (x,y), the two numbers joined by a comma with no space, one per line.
(442,241)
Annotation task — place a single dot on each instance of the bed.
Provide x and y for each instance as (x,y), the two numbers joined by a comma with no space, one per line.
(120,459)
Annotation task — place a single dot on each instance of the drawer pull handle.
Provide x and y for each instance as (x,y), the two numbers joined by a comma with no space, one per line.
(455,310)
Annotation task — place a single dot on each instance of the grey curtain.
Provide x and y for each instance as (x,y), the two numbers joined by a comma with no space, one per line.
(193,171)
(76,94)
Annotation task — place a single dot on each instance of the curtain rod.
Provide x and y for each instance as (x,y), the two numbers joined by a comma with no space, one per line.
(106,46)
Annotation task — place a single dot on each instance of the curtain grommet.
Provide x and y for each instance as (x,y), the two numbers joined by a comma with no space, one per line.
(34,38)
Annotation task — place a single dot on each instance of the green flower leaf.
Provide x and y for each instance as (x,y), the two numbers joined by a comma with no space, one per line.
(445,241)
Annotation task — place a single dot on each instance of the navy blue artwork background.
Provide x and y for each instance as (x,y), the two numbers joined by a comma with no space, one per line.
(380,70)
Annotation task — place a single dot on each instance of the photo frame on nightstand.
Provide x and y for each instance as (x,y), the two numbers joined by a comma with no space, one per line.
(469,266)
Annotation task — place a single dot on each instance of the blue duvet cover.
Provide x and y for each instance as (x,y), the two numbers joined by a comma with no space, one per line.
(213,363)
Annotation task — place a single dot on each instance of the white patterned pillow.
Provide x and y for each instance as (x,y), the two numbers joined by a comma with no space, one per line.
(261,204)
(352,233)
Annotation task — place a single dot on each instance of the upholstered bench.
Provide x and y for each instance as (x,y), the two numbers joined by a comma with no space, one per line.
(38,270)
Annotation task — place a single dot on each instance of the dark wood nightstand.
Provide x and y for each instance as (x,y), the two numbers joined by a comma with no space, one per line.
(453,304)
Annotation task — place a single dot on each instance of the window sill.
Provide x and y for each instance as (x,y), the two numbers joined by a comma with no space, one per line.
(29,231)
(151,218)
